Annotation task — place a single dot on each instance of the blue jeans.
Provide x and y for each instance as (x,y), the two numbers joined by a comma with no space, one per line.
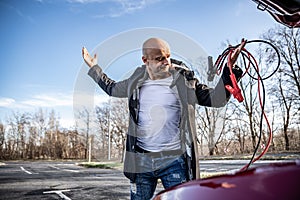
(171,171)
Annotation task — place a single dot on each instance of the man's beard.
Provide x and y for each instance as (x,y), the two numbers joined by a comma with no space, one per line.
(163,68)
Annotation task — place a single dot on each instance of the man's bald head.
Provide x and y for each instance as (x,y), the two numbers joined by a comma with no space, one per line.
(155,46)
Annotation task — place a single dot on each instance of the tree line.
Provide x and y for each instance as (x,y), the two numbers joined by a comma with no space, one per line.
(99,134)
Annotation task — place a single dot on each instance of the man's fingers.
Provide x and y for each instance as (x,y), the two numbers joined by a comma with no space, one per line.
(89,60)
(83,50)
(85,53)
(237,51)
(242,45)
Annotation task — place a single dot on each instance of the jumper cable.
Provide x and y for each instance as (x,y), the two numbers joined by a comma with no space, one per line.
(232,54)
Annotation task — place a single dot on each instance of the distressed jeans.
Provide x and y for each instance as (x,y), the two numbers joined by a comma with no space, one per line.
(171,171)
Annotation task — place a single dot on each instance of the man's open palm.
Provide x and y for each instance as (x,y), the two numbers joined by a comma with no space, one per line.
(89,60)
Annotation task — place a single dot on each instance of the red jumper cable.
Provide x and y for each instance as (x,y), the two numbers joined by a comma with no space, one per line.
(234,90)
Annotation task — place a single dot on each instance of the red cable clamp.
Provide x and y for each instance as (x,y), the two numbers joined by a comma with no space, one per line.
(235,90)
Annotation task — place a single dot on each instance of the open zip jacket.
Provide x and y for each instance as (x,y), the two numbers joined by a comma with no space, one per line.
(190,91)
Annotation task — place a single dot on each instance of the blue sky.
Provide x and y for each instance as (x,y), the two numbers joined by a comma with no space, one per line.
(41,40)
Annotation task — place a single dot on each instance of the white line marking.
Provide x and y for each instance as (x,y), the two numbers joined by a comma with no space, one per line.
(53,167)
(68,170)
(59,193)
(71,170)
(24,170)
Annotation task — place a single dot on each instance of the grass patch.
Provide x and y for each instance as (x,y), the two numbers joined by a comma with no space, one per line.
(267,156)
(211,174)
(101,165)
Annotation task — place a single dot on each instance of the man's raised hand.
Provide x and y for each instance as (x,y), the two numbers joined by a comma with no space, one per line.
(89,60)
(237,51)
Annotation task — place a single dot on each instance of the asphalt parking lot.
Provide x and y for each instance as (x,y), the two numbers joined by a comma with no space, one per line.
(60,180)
(48,180)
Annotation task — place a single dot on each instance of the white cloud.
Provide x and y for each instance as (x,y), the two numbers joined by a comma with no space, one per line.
(37,101)
(88,1)
(131,6)
(6,102)
(49,100)
(118,8)
(61,103)
(113,8)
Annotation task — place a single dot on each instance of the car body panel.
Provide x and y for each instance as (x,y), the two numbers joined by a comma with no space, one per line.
(270,182)
(286,12)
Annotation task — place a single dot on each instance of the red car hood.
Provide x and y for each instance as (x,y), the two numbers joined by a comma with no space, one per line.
(271,182)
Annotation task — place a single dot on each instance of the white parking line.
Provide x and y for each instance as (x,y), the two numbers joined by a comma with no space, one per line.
(24,170)
(53,167)
(68,170)
(71,170)
(59,193)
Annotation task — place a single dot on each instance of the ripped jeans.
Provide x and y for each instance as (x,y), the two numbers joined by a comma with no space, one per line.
(171,171)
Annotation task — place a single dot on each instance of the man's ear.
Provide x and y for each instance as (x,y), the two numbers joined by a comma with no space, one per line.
(144,59)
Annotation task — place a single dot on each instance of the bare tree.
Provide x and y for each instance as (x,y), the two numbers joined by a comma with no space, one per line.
(21,122)
(103,118)
(75,146)
(112,120)
(2,139)
(210,125)
(38,129)
(85,116)
(119,122)
(51,136)
(250,106)
(287,89)
(237,127)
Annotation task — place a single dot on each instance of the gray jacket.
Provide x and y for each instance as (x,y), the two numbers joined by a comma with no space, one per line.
(190,91)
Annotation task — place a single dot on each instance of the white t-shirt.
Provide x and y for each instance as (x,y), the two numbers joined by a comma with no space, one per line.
(159,116)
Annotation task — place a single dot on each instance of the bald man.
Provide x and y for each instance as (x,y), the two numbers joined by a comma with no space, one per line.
(161,139)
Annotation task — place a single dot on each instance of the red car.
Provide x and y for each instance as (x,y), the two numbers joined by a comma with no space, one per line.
(286,12)
(271,182)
